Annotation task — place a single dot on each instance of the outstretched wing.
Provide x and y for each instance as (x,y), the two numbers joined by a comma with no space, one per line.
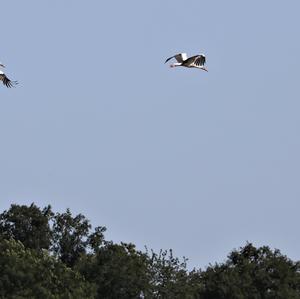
(197,60)
(179,57)
(200,60)
(7,82)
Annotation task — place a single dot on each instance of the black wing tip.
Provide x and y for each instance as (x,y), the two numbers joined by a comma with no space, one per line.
(9,84)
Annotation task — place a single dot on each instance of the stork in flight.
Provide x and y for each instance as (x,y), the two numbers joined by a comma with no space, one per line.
(196,61)
(7,82)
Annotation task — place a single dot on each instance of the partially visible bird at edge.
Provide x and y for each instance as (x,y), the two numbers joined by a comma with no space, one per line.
(5,80)
(197,61)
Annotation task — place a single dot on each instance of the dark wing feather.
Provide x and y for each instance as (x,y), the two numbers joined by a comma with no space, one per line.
(197,60)
(7,82)
(200,60)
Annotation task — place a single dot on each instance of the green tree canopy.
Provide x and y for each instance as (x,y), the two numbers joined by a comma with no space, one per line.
(57,255)
(26,273)
(70,236)
(28,224)
(170,278)
(253,273)
(118,271)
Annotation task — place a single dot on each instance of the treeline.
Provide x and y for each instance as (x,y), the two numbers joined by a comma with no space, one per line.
(57,255)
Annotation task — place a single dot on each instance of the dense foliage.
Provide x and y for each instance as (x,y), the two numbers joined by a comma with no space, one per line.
(57,255)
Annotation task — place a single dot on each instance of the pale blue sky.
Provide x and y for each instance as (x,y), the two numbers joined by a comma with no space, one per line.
(168,158)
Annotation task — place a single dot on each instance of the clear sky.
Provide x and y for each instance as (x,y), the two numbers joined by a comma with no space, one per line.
(169,158)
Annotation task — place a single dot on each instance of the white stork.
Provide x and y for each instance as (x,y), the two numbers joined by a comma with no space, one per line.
(196,61)
(7,82)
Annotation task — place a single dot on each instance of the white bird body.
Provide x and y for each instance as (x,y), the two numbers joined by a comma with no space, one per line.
(196,61)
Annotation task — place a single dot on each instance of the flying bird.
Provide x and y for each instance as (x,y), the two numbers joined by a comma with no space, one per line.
(196,61)
(7,82)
